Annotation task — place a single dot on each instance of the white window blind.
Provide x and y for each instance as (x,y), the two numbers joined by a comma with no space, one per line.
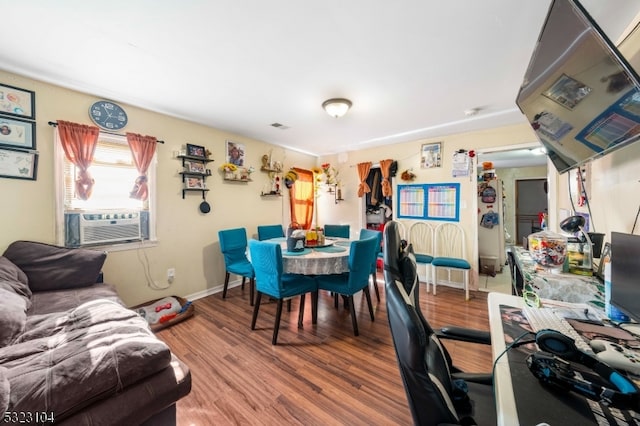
(114,173)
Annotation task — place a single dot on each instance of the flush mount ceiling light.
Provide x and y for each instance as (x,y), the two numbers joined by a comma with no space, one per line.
(336,107)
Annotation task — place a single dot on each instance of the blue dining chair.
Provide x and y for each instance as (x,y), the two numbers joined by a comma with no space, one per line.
(340,231)
(270,280)
(357,279)
(266,232)
(370,233)
(233,244)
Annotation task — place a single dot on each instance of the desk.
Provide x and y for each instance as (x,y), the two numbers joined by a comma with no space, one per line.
(520,398)
(333,259)
(557,286)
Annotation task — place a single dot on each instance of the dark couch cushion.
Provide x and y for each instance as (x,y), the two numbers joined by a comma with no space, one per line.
(13,279)
(4,390)
(50,267)
(13,316)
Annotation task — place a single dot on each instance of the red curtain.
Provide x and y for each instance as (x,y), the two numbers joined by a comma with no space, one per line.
(363,172)
(301,198)
(142,148)
(79,143)
(385,165)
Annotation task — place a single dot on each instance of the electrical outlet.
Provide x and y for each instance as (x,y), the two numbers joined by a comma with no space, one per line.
(171,274)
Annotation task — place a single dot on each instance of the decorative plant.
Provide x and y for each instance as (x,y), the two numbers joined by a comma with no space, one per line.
(228,167)
(330,174)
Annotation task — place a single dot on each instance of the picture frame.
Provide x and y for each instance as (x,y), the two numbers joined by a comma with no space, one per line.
(17,133)
(194,166)
(236,153)
(195,151)
(567,92)
(17,164)
(431,155)
(17,102)
(194,182)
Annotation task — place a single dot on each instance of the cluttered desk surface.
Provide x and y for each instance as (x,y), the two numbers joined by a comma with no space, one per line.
(558,285)
(520,397)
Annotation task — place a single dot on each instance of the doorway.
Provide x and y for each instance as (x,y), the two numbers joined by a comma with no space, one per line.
(531,203)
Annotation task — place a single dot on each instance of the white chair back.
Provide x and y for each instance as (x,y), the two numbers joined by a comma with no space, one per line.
(421,238)
(450,241)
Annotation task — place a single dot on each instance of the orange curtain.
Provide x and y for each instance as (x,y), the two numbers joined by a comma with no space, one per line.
(79,143)
(385,165)
(302,199)
(142,148)
(363,172)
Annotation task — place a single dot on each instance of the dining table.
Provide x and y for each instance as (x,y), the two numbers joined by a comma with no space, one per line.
(330,258)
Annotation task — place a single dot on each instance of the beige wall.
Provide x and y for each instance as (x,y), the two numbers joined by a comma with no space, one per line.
(407,154)
(187,239)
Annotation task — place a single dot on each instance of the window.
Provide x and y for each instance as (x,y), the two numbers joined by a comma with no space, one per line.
(109,215)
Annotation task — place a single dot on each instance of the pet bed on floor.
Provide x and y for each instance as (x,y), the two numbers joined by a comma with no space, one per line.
(165,312)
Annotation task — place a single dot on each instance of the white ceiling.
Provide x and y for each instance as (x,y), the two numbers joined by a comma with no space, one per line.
(411,68)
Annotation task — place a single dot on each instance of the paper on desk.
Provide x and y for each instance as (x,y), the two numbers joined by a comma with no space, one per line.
(579,311)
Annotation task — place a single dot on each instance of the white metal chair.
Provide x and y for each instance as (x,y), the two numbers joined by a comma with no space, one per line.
(420,236)
(450,254)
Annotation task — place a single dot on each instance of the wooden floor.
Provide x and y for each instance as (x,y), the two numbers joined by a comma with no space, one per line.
(317,375)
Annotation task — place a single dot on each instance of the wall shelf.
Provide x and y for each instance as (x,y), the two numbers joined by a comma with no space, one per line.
(185,190)
(237,180)
(194,174)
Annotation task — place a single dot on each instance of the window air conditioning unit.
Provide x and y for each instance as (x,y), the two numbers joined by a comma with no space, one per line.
(90,228)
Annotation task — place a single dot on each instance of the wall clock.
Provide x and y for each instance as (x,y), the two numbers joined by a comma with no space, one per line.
(108,115)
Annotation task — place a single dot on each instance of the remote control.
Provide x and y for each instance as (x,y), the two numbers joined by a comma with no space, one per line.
(616,356)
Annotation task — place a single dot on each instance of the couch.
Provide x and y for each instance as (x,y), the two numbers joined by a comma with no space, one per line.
(70,350)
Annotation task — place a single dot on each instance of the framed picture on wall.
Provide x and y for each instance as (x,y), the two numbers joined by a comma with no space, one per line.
(430,155)
(195,150)
(236,153)
(18,164)
(194,182)
(17,133)
(194,166)
(17,102)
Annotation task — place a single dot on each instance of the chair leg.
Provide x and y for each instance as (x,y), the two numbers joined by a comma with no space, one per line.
(352,309)
(256,308)
(434,273)
(288,305)
(301,311)
(226,284)
(335,300)
(466,284)
(374,279)
(276,326)
(368,296)
(252,284)
(314,307)
(243,281)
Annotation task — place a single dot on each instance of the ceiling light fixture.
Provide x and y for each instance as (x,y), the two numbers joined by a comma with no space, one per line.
(336,107)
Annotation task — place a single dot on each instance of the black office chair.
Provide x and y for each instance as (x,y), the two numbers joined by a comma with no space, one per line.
(434,388)
(517,282)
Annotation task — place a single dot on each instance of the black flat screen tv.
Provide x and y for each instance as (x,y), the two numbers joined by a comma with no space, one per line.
(625,273)
(579,94)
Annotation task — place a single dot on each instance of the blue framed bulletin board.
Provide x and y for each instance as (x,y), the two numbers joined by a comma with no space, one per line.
(429,201)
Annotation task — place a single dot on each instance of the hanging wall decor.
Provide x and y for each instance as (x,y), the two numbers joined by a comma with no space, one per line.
(430,155)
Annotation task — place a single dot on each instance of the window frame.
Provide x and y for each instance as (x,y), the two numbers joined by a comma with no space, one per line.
(60,206)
